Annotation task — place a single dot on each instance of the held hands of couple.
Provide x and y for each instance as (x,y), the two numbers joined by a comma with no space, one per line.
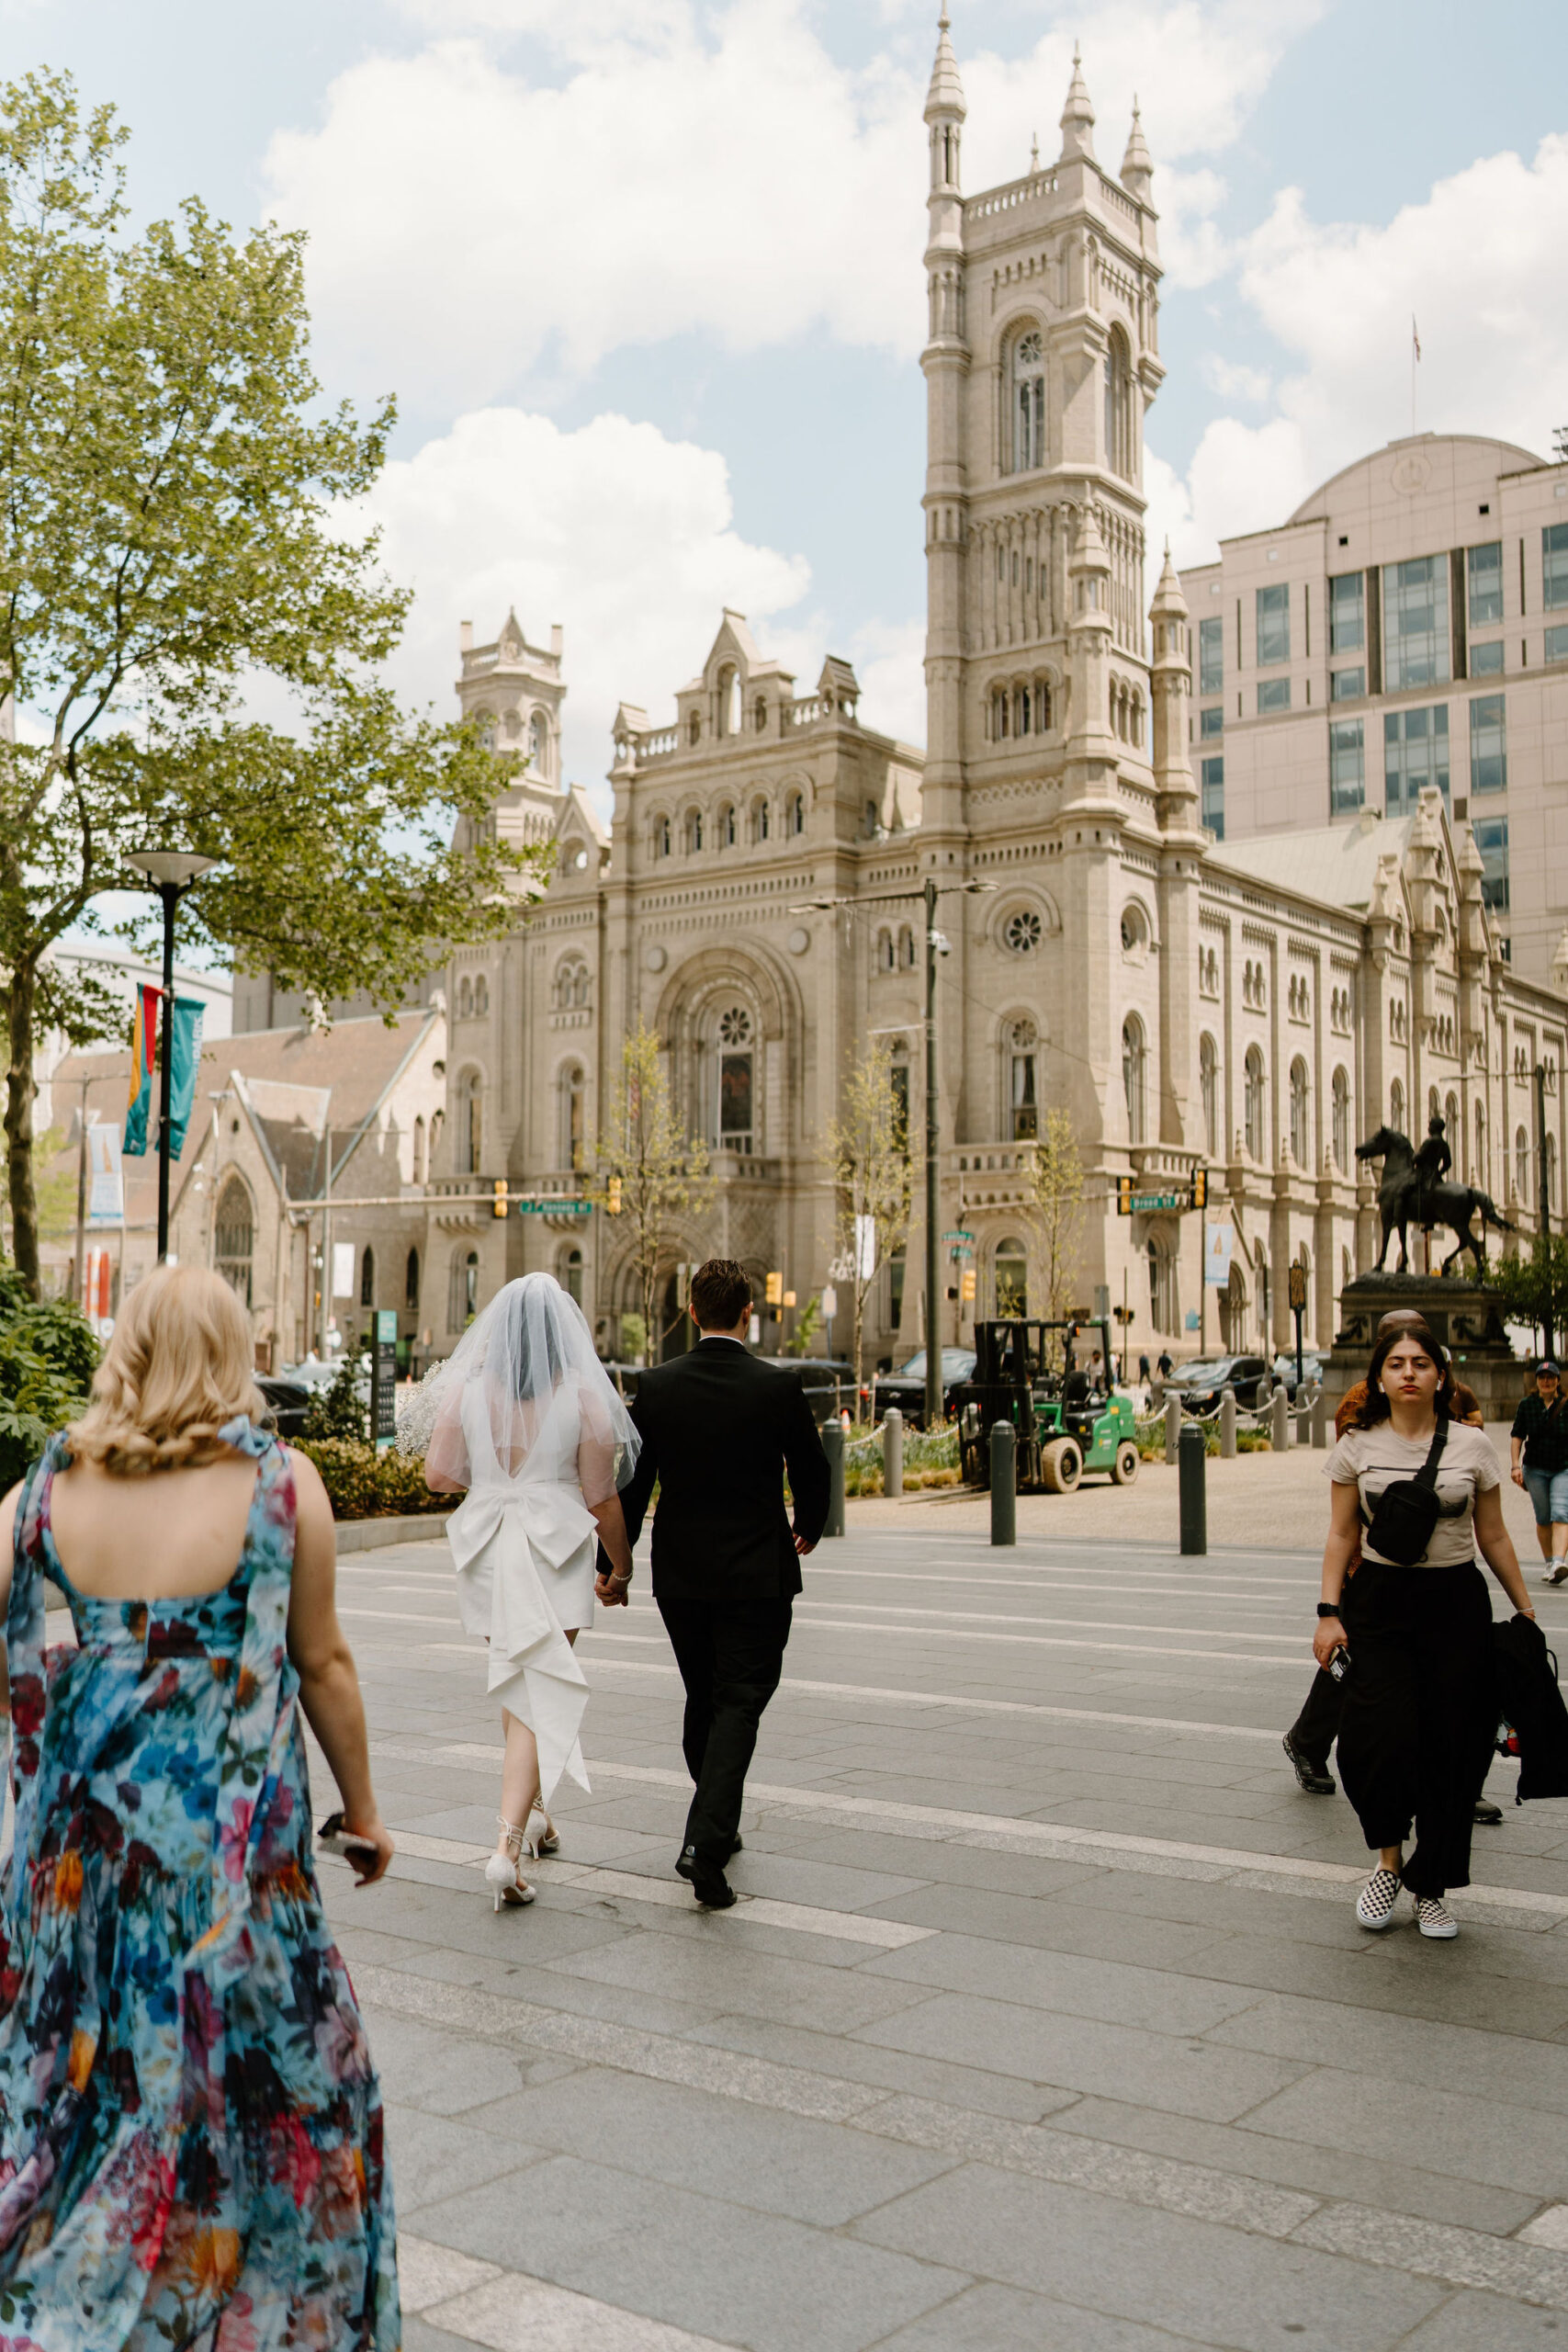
(611,1589)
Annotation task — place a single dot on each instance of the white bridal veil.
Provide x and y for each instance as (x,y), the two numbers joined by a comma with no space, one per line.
(523,1396)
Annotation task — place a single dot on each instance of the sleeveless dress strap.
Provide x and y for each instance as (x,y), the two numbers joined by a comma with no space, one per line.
(261,1724)
(24,1654)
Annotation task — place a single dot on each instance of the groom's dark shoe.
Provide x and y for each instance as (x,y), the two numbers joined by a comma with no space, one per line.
(740,1842)
(710,1887)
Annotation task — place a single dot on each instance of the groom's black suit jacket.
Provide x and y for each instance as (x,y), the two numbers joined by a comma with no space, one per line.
(719,1426)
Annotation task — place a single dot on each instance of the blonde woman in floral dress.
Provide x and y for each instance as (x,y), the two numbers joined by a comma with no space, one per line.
(190,2126)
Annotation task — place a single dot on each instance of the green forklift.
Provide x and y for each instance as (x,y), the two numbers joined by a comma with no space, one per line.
(1065,1418)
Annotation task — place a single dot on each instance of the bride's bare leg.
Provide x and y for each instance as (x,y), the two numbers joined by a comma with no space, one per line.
(519,1769)
(519,1774)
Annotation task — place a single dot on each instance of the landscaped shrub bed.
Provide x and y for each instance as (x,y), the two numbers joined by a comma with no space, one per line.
(362,1484)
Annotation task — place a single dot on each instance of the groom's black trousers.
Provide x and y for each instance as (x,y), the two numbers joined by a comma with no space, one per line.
(730,1653)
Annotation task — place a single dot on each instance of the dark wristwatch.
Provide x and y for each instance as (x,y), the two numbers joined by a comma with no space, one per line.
(1329,1608)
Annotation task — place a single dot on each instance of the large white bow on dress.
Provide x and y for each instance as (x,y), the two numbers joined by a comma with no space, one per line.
(508,1548)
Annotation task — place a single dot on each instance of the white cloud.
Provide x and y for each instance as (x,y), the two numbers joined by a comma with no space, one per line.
(1475,262)
(1233,380)
(717,174)
(625,537)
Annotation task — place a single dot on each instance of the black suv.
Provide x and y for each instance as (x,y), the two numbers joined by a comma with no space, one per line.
(907,1387)
(1198,1384)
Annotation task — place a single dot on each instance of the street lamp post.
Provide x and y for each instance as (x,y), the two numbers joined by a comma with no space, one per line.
(171,873)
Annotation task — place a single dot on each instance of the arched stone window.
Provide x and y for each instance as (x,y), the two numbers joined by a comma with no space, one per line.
(1340,1141)
(1208,1077)
(481,994)
(1301,1122)
(695,728)
(462,1289)
(727,827)
(573,990)
(1028,402)
(761,819)
(1010,1277)
(1397,1106)
(729,701)
(1254,1110)
(735,1080)
(760,714)
(538,745)
(1165,1306)
(234,1237)
(885,953)
(1522,1169)
(411,1283)
(573,1141)
(471,1124)
(465,998)
(694,831)
(1023,1092)
(368,1276)
(570,1273)
(907,948)
(660,840)
(420,1152)
(794,813)
(1455,1126)
(1134,1062)
(1118,449)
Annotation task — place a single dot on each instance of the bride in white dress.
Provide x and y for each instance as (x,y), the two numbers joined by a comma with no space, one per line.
(523,1416)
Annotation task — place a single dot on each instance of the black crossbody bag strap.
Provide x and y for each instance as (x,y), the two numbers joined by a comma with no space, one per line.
(1427,1474)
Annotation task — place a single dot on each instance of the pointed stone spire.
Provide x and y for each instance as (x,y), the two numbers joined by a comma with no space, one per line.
(1078,117)
(1170,687)
(1137,164)
(1168,602)
(944,99)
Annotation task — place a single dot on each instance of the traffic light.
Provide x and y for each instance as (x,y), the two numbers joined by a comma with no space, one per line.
(1200,1188)
(774,1290)
(498,1205)
(967,1283)
(1124,1196)
(613,1196)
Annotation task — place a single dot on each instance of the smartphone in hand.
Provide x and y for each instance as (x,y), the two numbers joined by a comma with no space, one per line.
(334,1838)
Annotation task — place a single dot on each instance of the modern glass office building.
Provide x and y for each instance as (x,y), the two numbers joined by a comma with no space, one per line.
(1406,628)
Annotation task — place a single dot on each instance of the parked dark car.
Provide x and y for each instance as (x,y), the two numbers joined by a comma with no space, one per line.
(828,1382)
(1284,1368)
(287,1401)
(907,1387)
(1198,1384)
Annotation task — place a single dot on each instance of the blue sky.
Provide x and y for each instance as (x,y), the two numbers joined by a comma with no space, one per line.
(646,274)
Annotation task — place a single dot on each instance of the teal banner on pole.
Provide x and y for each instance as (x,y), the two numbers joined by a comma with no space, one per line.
(184,1034)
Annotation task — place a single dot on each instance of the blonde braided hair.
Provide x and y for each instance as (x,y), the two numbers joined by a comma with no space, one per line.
(177,1369)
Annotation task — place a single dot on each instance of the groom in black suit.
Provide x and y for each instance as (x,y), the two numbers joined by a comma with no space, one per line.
(720,1427)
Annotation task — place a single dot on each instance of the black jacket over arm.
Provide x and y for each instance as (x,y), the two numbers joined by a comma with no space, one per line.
(719,1427)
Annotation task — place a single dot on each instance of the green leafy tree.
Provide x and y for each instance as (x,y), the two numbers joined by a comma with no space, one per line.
(662,1173)
(339,1411)
(868,1146)
(1054,1209)
(799,1341)
(178,533)
(48,1357)
(1533,1289)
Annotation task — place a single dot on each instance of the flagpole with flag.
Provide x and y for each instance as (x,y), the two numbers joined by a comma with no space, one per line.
(1414,357)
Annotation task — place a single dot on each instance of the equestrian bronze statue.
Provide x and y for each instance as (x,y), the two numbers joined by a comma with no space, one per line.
(1414,1191)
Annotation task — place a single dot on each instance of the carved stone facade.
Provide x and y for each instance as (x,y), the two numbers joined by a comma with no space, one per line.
(1253,1008)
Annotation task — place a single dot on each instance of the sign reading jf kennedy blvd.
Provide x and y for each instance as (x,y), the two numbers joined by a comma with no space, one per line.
(552,1204)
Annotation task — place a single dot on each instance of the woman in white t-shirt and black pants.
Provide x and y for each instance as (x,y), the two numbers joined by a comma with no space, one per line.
(1420,1695)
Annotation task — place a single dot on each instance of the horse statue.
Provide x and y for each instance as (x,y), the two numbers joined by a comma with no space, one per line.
(1405,1197)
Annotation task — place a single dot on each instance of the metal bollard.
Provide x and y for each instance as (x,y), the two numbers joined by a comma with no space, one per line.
(833,1447)
(1319,1421)
(1194,1506)
(1004,1483)
(1227,1423)
(893,1452)
(1172,1427)
(1281,1410)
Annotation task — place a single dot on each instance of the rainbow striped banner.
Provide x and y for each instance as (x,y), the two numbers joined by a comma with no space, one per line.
(143,1055)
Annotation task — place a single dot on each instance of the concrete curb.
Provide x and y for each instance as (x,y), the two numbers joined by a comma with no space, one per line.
(368,1535)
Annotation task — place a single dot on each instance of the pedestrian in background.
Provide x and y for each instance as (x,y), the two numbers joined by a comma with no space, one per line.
(190,2125)
(1538,1445)
(1420,1694)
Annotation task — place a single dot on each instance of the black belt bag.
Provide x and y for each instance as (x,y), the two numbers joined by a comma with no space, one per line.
(1406,1513)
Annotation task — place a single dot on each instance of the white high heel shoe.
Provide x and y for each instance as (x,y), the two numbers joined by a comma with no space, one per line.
(501,1873)
(540,1841)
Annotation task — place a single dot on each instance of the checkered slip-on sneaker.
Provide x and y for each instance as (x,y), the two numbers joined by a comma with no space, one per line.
(1434,1919)
(1374,1905)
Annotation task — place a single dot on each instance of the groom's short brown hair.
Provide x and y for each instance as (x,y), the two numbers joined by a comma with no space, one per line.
(721,1294)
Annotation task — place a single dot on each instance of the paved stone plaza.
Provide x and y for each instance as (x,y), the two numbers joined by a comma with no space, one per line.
(1043,2019)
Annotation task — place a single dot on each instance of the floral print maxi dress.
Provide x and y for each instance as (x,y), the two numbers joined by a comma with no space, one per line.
(190,2127)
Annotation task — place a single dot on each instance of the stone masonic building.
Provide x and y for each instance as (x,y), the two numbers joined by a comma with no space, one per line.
(1252,1007)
